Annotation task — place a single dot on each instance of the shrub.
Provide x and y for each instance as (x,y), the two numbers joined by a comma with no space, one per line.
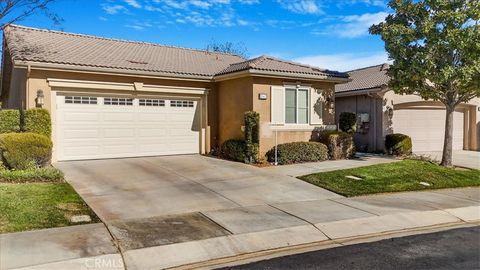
(38,121)
(398,144)
(9,121)
(252,120)
(297,152)
(25,150)
(347,122)
(233,150)
(340,144)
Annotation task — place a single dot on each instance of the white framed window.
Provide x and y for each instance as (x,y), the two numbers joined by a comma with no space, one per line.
(117,101)
(181,103)
(151,102)
(296,105)
(80,100)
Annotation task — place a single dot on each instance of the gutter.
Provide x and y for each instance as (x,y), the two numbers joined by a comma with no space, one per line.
(271,74)
(366,91)
(174,76)
(109,71)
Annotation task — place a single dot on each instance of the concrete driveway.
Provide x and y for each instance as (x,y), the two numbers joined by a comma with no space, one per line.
(158,186)
(468,159)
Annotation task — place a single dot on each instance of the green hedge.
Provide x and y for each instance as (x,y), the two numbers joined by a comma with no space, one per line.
(398,144)
(298,152)
(20,151)
(252,122)
(9,121)
(38,121)
(347,122)
(340,144)
(234,150)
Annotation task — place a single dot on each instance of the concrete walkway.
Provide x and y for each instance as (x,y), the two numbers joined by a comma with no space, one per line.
(188,210)
(202,238)
(467,159)
(360,160)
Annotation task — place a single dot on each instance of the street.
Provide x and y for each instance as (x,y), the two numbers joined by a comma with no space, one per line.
(452,249)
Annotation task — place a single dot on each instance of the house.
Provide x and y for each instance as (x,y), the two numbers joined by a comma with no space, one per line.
(380,112)
(113,98)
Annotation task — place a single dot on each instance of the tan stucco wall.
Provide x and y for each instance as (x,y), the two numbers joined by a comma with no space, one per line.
(263,107)
(234,99)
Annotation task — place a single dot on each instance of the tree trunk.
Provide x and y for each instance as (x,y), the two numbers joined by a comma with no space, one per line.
(448,139)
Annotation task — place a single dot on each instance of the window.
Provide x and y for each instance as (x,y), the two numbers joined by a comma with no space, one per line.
(118,101)
(296,106)
(151,102)
(80,100)
(181,103)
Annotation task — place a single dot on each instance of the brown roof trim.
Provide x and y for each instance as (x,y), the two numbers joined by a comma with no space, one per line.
(114,72)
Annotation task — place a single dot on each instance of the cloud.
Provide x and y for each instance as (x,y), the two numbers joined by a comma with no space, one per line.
(344,61)
(301,6)
(353,26)
(249,2)
(139,25)
(377,3)
(113,9)
(133,3)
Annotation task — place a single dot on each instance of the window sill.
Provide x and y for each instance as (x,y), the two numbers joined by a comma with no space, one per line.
(300,127)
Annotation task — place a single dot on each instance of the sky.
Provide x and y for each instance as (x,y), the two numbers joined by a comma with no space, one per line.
(324,33)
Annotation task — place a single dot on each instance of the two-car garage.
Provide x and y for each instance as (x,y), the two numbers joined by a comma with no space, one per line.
(95,127)
(426,127)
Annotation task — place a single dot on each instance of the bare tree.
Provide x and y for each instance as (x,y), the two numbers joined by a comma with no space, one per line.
(228,47)
(12,11)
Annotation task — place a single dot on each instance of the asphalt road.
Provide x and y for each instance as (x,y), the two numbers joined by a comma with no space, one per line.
(452,249)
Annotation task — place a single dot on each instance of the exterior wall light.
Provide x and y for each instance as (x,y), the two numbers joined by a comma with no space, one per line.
(40,100)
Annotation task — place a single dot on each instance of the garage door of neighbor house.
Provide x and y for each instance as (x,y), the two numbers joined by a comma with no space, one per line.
(427,128)
(94,127)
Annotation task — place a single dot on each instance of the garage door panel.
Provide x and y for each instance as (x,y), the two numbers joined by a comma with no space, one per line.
(426,127)
(92,131)
(81,134)
(81,116)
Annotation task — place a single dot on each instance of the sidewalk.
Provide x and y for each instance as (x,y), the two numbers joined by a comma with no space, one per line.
(227,234)
(360,160)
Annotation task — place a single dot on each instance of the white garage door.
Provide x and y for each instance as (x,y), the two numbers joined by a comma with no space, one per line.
(427,128)
(91,127)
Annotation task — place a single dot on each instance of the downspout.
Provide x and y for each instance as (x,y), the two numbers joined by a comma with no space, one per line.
(27,88)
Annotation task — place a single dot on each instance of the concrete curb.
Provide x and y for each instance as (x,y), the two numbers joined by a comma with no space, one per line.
(233,247)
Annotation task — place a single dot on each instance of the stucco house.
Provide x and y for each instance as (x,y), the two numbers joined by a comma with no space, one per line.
(380,112)
(114,98)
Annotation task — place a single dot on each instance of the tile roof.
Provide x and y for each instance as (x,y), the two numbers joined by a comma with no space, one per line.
(46,46)
(268,63)
(365,78)
(83,51)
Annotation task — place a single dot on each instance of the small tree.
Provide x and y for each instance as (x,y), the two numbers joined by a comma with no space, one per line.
(435,49)
(252,140)
(12,11)
(228,47)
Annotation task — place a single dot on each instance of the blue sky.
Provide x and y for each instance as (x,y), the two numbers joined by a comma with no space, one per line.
(326,33)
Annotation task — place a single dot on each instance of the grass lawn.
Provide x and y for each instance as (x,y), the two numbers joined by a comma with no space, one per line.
(28,206)
(404,175)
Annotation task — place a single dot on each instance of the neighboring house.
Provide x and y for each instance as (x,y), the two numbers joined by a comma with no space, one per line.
(113,98)
(380,112)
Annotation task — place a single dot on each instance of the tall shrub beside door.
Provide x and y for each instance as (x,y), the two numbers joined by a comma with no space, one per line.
(252,120)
